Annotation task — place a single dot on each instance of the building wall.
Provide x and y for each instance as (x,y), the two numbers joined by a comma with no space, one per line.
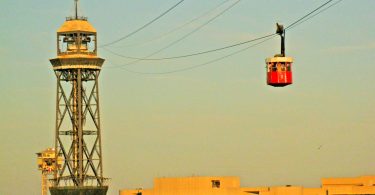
(192,185)
(231,186)
(346,186)
(284,190)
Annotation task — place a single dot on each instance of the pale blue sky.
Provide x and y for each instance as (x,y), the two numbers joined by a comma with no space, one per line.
(220,119)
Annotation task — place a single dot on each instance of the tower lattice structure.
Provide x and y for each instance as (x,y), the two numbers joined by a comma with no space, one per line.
(78,129)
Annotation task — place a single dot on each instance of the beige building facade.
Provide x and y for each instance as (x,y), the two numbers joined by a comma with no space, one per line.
(231,186)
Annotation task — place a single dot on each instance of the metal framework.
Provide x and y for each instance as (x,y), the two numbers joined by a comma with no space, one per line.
(78,130)
(77,104)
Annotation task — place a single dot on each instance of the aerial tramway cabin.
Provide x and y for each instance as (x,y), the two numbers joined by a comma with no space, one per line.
(279,71)
(279,67)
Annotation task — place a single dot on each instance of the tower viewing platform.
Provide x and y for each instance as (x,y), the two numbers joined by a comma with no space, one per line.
(77,46)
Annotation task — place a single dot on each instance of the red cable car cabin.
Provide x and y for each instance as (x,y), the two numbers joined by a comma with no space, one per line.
(279,71)
(279,68)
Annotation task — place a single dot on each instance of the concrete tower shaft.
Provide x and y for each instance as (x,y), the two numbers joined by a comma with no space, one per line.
(78,131)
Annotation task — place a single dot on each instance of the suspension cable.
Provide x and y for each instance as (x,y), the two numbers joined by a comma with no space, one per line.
(297,22)
(294,24)
(144,26)
(200,65)
(324,4)
(310,17)
(180,39)
(175,29)
(192,54)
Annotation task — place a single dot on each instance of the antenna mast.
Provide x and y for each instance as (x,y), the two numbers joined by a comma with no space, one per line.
(76,9)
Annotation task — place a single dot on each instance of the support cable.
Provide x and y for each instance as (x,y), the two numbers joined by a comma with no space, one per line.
(324,4)
(192,54)
(177,28)
(144,26)
(299,21)
(178,40)
(200,65)
(310,17)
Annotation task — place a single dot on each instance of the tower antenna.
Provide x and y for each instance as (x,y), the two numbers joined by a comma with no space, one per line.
(76,9)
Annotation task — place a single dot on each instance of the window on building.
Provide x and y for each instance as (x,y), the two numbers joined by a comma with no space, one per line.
(215,183)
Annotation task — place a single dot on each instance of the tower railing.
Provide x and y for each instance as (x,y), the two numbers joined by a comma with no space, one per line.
(69,18)
(90,53)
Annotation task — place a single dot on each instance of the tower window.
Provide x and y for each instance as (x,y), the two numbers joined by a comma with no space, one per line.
(215,183)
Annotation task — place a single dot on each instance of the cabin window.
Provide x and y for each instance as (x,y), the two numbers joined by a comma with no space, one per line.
(283,67)
(288,67)
(274,67)
(269,67)
(278,67)
(215,183)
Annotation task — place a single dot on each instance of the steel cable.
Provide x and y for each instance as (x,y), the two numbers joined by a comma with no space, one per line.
(294,24)
(175,29)
(324,4)
(199,65)
(192,54)
(310,17)
(144,26)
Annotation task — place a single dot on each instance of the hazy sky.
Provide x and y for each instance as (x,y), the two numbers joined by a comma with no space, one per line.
(220,119)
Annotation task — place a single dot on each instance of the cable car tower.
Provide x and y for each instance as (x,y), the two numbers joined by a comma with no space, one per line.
(279,67)
(78,130)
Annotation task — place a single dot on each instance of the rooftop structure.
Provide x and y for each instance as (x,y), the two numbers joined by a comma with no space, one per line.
(47,164)
(231,186)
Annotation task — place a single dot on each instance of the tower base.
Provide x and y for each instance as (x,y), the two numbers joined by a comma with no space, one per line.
(91,190)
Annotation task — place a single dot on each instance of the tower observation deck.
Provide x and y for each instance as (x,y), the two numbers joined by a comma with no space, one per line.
(78,129)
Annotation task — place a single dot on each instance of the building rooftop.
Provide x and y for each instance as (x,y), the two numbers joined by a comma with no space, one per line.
(231,186)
